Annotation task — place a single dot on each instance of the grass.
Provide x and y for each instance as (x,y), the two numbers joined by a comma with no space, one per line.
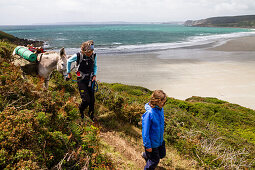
(217,134)
(115,156)
(42,129)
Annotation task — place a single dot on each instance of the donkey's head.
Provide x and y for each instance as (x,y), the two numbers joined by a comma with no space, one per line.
(61,65)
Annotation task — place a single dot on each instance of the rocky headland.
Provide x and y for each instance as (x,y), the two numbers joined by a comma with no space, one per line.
(19,41)
(244,21)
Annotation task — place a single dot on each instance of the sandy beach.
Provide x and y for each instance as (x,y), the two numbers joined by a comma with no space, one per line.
(226,72)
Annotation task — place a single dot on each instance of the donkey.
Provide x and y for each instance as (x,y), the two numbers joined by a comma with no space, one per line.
(47,63)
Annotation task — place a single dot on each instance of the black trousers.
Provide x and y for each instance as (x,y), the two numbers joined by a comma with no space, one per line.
(87,95)
(154,156)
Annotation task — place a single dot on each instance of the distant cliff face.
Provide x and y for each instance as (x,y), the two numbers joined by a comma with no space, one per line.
(18,41)
(245,21)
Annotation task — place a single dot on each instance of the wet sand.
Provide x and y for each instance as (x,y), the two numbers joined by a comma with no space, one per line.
(226,72)
(239,44)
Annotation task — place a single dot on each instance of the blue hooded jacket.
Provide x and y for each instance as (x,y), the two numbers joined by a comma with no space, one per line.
(152,127)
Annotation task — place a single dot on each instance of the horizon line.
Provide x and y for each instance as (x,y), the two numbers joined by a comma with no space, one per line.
(99,22)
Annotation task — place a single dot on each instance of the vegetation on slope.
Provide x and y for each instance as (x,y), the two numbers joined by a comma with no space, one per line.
(12,39)
(216,133)
(245,21)
(42,129)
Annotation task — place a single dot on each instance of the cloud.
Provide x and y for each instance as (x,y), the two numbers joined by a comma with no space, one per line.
(48,11)
(230,7)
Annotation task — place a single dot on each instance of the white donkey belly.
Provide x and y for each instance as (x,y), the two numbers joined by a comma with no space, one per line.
(45,72)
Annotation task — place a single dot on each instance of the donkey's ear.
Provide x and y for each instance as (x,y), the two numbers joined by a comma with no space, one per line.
(62,52)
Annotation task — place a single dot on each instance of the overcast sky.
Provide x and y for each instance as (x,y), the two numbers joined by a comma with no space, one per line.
(23,12)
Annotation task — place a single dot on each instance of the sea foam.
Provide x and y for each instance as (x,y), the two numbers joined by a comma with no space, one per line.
(191,42)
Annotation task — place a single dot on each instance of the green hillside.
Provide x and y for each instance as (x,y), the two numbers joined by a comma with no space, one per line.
(19,41)
(42,128)
(216,133)
(245,21)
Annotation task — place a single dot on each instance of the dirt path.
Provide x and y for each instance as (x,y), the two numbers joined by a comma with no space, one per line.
(123,145)
(126,153)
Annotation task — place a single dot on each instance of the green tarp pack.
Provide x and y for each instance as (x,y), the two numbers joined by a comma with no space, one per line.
(25,53)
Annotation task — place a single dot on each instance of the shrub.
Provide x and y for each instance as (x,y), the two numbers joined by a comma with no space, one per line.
(209,130)
(39,129)
(6,50)
(125,104)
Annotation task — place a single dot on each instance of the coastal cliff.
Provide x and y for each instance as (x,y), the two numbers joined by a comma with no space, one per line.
(18,41)
(245,21)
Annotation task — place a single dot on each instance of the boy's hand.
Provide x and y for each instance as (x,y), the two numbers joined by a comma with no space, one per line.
(149,150)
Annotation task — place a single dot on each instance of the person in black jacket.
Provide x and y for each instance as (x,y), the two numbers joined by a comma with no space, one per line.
(86,76)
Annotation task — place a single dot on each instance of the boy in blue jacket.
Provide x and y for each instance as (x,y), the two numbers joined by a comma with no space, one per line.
(153,130)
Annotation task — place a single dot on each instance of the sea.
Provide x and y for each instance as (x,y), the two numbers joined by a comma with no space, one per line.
(125,38)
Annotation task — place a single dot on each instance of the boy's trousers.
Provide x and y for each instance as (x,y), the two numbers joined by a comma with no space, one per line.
(154,156)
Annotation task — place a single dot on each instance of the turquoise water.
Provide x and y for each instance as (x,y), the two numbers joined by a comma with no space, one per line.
(124,38)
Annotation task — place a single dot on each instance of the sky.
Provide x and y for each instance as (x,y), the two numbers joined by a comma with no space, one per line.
(29,12)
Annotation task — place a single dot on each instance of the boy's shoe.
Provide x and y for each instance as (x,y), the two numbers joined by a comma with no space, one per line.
(144,156)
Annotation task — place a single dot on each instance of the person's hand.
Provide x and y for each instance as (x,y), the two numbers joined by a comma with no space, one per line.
(149,150)
(69,76)
(94,78)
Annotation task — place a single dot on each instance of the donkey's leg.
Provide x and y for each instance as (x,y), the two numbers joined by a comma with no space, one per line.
(46,82)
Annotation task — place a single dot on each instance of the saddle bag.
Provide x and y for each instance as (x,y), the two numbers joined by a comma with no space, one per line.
(25,53)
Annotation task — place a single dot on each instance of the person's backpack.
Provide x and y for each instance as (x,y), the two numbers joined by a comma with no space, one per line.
(79,58)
